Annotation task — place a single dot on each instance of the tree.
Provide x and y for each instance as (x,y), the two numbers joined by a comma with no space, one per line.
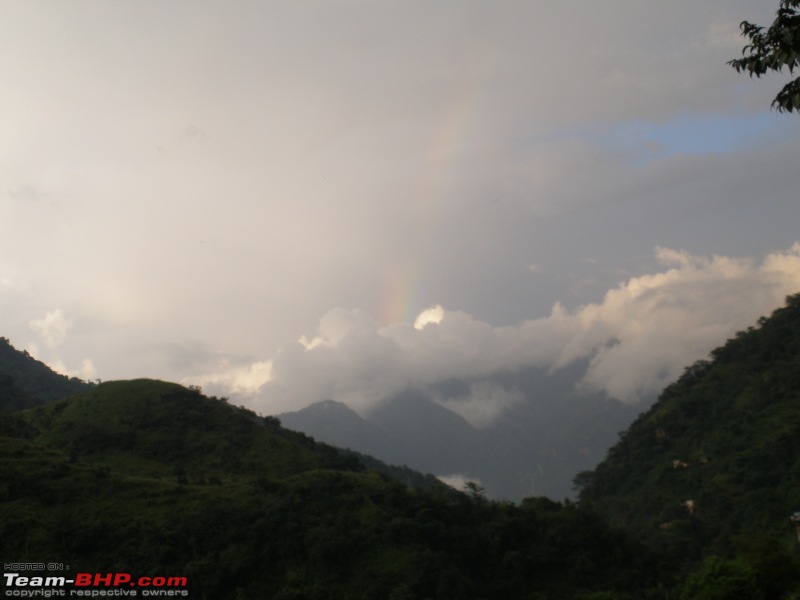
(774,49)
(476,491)
(719,579)
(775,569)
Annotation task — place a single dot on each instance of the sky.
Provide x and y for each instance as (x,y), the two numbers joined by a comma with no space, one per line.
(291,201)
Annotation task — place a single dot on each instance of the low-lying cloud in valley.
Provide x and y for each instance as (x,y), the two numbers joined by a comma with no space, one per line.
(638,339)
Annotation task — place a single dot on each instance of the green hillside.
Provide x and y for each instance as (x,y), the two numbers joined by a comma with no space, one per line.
(152,478)
(159,429)
(716,461)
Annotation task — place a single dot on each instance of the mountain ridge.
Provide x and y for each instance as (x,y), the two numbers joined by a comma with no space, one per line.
(534,447)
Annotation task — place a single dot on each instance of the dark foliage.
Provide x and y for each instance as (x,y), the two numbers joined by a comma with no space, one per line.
(151,477)
(717,458)
(774,49)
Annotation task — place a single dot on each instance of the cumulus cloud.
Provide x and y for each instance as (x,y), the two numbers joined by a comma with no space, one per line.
(240,379)
(85,371)
(429,315)
(636,340)
(52,329)
(658,324)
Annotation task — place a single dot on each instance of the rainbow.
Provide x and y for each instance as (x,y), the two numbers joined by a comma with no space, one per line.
(398,302)
(400,298)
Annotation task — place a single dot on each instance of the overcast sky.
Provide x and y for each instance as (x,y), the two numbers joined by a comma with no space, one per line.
(188,189)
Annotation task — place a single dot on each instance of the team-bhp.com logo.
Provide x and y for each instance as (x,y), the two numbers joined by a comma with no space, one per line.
(93,585)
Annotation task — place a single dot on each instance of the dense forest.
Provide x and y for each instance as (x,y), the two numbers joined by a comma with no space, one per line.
(712,470)
(149,477)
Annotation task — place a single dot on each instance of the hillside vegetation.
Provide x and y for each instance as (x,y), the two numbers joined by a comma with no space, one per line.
(716,461)
(150,477)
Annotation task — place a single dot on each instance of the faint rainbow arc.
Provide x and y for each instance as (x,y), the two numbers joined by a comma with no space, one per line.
(447,142)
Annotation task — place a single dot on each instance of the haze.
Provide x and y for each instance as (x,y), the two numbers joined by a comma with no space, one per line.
(263,197)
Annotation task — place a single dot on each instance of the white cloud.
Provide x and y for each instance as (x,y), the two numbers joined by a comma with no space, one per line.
(637,339)
(85,371)
(52,329)
(658,324)
(428,316)
(244,380)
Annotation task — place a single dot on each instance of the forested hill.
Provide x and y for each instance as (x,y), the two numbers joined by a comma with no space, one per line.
(152,478)
(718,455)
(26,382)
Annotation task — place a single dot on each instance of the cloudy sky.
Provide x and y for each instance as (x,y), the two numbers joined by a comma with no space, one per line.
(263,197)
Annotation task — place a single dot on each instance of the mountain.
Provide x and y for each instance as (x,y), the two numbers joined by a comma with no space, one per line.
(717,458)
(385,433)
(534,447)
(336,424)
(27,382)
(154,479)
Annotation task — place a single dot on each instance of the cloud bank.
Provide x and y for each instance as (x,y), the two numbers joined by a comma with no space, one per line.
(637,339)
